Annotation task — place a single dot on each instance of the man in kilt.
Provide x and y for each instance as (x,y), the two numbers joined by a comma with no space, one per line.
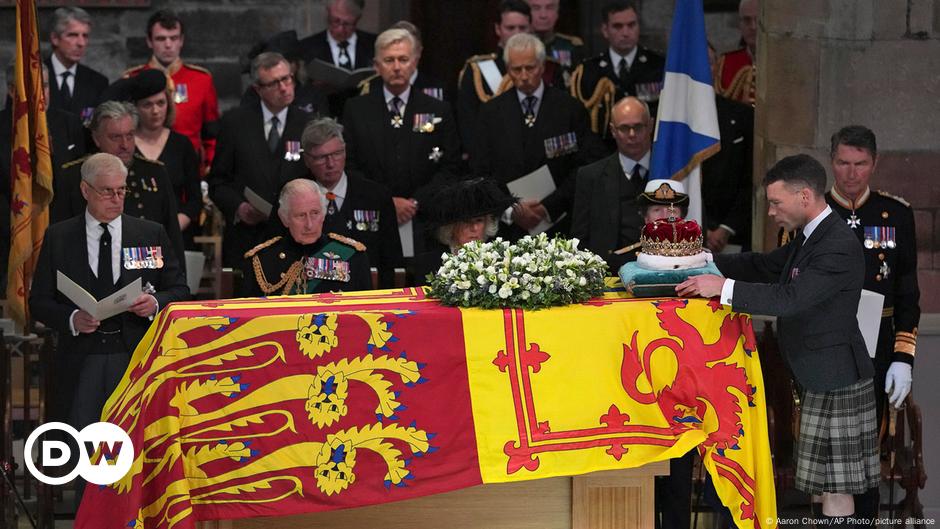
(813,284)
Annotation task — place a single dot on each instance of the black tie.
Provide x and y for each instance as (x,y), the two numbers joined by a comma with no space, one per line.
(105,276)
(623,73)
(66,91)
(344,61)
(637,176)
(529,104)
(274,137)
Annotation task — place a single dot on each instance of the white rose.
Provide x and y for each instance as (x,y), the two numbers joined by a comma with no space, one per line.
(582,281)
(492,289)
(505,292)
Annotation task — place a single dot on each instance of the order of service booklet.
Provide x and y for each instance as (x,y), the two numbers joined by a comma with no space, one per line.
(100,310)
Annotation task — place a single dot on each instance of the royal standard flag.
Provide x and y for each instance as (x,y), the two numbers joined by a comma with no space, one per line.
(687,123)
(288,405)
(30,163)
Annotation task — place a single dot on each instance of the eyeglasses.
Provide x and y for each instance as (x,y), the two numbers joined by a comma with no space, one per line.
(627,129)
(109,192)
(287,80)
(320,159)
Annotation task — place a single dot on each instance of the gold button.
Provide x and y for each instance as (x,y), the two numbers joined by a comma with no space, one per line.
(282,256)
(140,206)
(282,274)
(884,214)
(878,277)
(881,256)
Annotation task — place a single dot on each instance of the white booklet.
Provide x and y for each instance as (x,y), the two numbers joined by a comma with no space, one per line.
(336,77)
(257,202)
(114,304)
(869,318)
(538,184)
(407,234)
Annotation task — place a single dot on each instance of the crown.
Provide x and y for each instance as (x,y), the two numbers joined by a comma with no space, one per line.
(672,237)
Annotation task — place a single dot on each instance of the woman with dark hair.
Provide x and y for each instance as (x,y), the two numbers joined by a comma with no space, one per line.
(456,214)
(154,139)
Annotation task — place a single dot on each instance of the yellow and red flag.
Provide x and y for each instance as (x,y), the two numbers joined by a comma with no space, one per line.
(30,163)
(269,407)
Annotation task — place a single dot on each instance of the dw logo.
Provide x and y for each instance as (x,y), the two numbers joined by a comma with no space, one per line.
(105,453)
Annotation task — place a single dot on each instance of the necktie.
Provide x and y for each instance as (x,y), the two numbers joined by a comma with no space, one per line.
(395,111)
(637,176)
(529,104)
(344,61)
(105,277)
(623,72)
(274,137)
(331,205)
(66,91)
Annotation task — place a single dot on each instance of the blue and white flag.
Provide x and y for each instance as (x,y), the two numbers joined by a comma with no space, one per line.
(687,122)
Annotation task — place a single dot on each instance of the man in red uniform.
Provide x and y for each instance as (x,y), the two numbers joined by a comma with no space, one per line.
(737,76)
(197,106)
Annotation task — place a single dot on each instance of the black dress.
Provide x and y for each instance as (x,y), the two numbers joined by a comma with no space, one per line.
(182,166)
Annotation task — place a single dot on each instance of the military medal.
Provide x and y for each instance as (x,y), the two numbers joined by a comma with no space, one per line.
(884,270)
(86,115)
(436,154)
(397,120)
(870,236)
(182,94)
(889,237)
(292,151)
(424,123)
(530,120)
(326,268)
(561,145)
(853,221)
(331,205)
(436,93)
(562,56)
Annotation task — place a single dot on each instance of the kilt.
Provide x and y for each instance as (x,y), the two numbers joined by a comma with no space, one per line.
(837,449)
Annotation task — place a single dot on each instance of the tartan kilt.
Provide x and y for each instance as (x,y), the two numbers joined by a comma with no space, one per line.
(837,449)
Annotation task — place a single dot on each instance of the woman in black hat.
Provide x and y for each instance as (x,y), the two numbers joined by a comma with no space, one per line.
(456,214)
(153,96)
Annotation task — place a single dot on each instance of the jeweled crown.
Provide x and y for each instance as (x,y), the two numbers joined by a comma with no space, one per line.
(672,237)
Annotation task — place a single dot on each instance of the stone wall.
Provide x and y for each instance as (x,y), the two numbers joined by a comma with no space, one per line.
(829,63)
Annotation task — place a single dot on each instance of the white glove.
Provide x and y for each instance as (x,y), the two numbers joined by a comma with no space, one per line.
(898,382)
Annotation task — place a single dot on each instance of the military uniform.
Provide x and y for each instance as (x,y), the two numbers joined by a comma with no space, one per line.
(475,87)
(150,196)
(737,76)
(567,51)
(282,266)
(596,85)
(884,225)
(197,105)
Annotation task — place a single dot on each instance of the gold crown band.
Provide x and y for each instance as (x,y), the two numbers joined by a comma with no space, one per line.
(671,249)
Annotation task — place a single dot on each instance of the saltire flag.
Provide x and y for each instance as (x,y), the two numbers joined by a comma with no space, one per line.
(287,405)
(687,121)
(30,163)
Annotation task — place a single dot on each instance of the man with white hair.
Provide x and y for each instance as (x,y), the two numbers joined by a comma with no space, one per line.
(302,260)
(75,87)
(342,43)
(529,126)
(399,136)
(102,250)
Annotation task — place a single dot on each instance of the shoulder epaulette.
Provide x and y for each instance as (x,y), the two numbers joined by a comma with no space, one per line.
(364,84)
(482,57)
(346,240)
(895,197)
(133,70)
(143,158)
(575,40)
(197,68)
(75,162)
(262,246)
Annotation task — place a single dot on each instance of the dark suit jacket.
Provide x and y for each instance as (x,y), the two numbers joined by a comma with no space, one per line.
(242,159)
(815,298)
(405,170)
(88,87)
(316,46)
(598,211)
(504,149)
(64,248)
(726,176)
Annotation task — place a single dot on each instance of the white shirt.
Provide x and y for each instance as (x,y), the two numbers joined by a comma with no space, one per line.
(403,96)
(538,93)
(615,59)
(267,115)
(339,190)
(58,69)
(93,234)
(350,50)
(727,289)
(628,164)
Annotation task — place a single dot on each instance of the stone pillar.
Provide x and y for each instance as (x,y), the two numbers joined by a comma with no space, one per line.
(823,64)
